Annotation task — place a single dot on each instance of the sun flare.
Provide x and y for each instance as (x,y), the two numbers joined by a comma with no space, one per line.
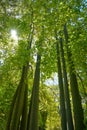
(14,35)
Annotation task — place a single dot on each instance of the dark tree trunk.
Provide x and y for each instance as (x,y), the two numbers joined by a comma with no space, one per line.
(29,113)
(11,109)
(77,107)
(66,90)
(23,125)
(16,110)
(17,104)
(33,121)
(18,107)
(62,100)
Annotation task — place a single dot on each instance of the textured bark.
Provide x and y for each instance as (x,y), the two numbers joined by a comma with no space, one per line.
(62,100)
(66,90)
(77,107)
(33,124)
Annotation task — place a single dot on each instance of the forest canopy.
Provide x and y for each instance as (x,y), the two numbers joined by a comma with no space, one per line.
(43,65)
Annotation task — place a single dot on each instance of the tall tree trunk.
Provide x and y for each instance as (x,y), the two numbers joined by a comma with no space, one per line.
(66,90)
(33,121)
(11,109)
(29,113)
(62,100)
(23,125)
(77,107)
(19,97)
(18,102)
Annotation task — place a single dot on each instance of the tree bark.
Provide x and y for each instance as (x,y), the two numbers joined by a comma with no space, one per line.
(33,123)
(25,112)
(11,109)
(77,107)
(62,100)
(66,90)
(18,104)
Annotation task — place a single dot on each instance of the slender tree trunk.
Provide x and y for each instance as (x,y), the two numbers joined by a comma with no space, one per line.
(77,107)
(62,100)
(66,90)
(18,110)
(33,124)
(29,113)
(23,125)
(11,109)
(18,104)
(15,114)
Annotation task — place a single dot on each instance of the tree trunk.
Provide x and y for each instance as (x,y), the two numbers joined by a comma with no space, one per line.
(62,100)
(29,113)
(11,109)
(66,90)
(18,104)
(77,107)
(25,112)
(33,124)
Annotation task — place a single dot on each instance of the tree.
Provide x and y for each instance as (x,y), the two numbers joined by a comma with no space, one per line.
(33,115)
(66,90)
(62,99)
(77,107)
(27,18)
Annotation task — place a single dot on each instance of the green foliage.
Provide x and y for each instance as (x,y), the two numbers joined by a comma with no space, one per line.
(38,19)
(49,105)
